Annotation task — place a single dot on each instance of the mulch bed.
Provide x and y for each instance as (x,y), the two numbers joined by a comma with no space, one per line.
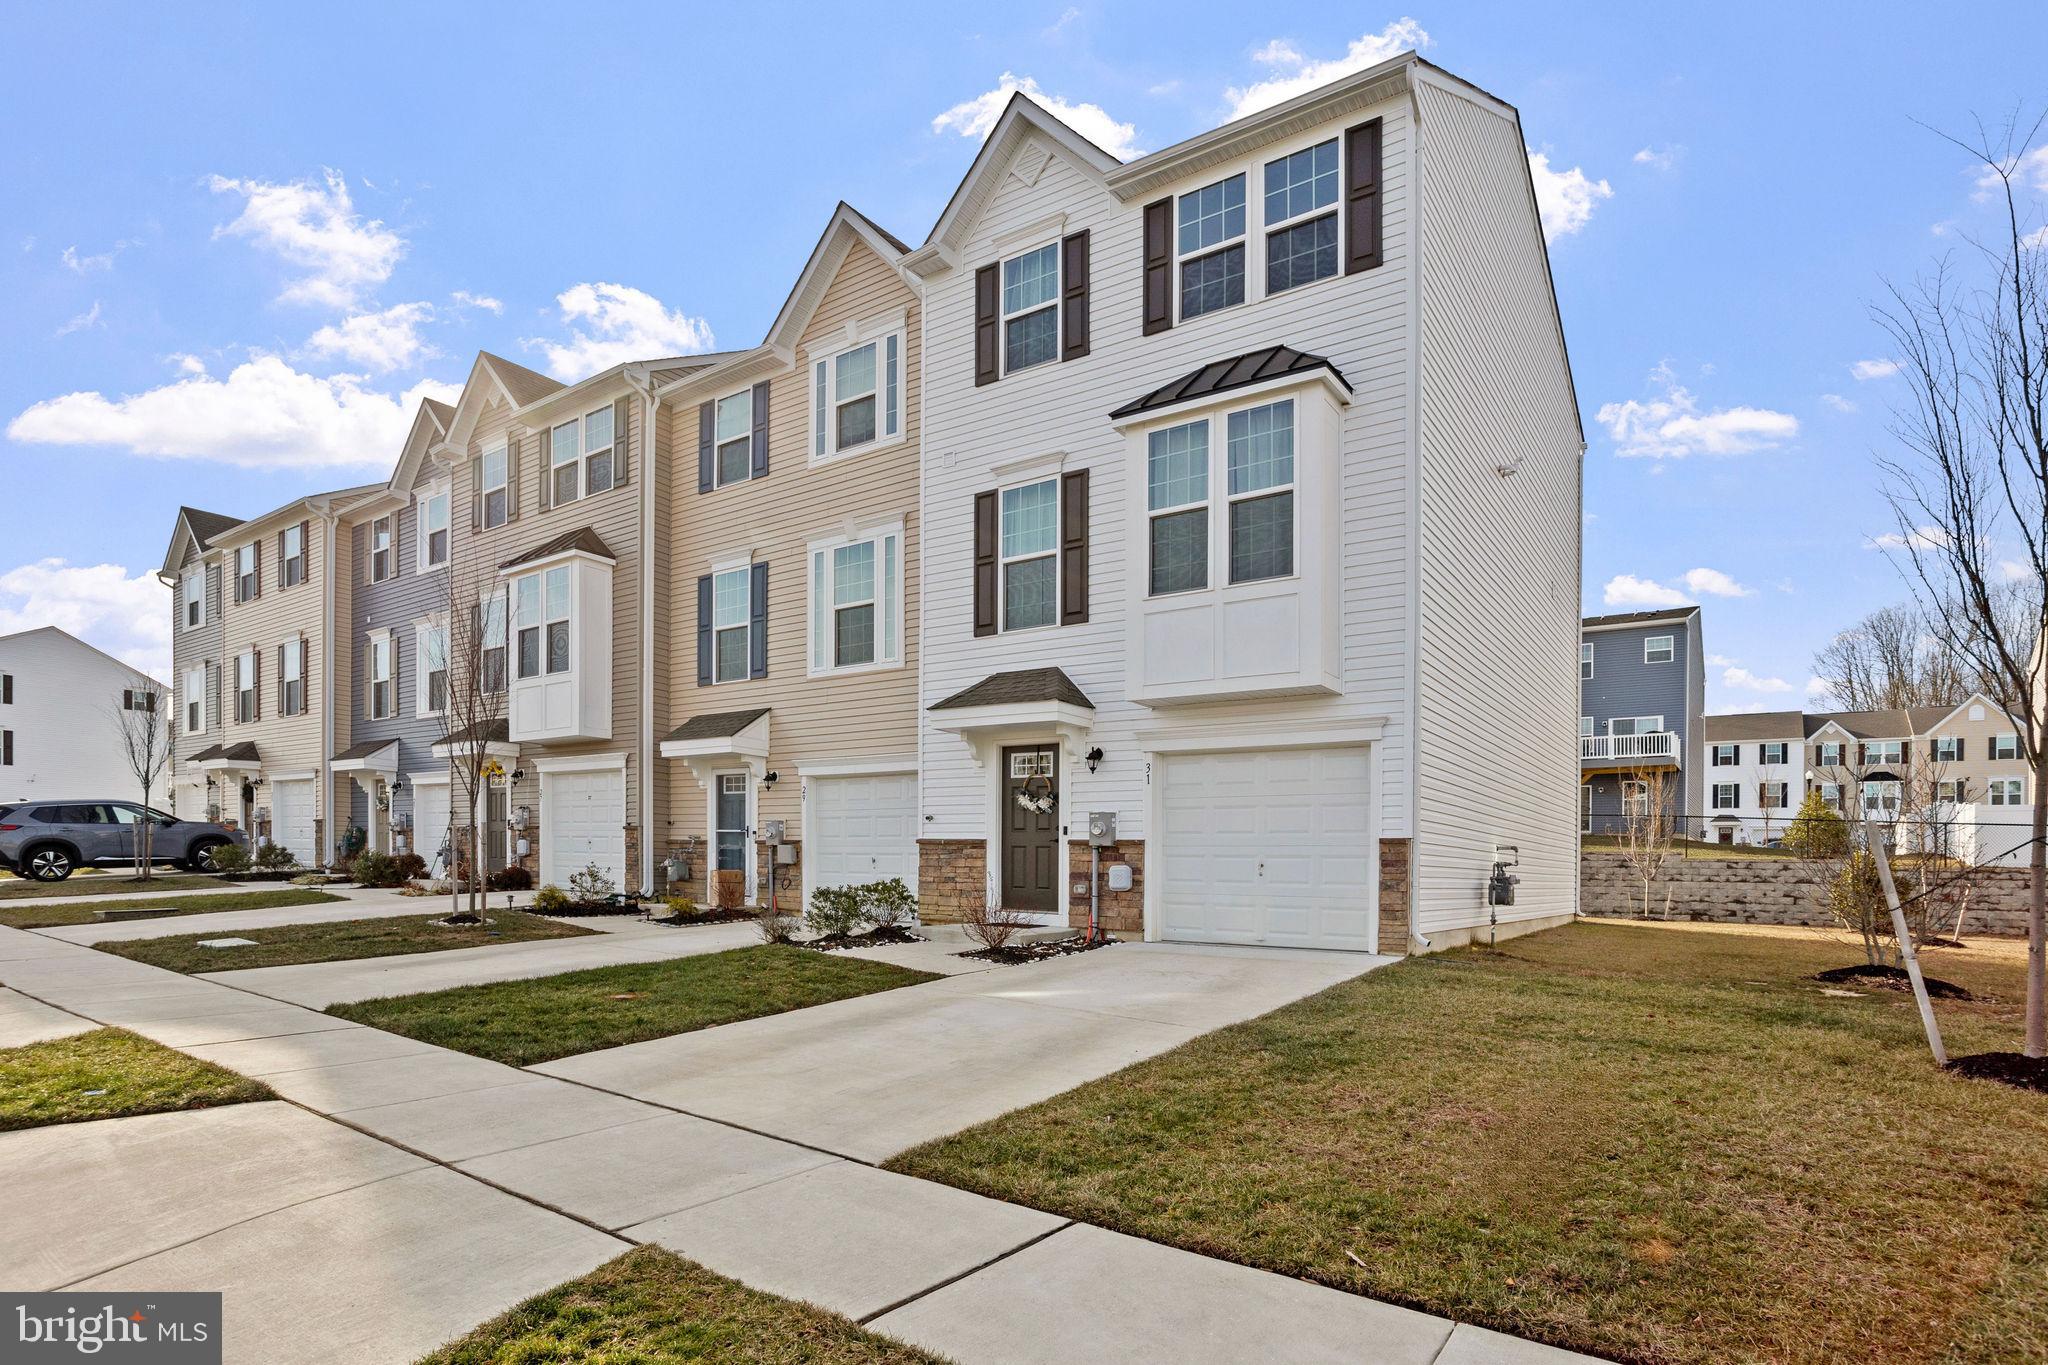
(1894,978)
(881,936)
(708,917)
(1037,952)
(2010,1068)
(589,911)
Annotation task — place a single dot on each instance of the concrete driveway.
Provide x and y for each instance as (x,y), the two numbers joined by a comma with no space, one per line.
(869,1077)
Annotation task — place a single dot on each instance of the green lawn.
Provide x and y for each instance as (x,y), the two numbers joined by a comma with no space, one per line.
(339,941)
(110,1073)
(1656,1143)
(524,1022)
(86,912)
(652,1306)
(107,884)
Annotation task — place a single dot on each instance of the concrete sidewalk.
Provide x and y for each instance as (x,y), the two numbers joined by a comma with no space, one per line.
(492,1182)
(360,905)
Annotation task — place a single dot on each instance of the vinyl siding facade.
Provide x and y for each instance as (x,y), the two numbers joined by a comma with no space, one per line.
(197,648)
(1626,685)
(63,716)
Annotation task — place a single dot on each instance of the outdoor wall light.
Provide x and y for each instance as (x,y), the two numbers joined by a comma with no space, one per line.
(518,774)
(770,779)
(1094,757)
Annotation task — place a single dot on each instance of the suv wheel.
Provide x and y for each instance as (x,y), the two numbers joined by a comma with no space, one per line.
(49,863)
(201,859)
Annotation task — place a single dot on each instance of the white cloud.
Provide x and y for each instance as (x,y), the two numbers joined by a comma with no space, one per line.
(1565,200)
(1816,686)
(1304,75)
(2037,240)
(977,117)
(462,298)
(264,415)
(1837,402)
(128,616)
(1058,27)
(1747,681)
(2029,169)
(1874,369)
(2013,570)
(1719,661)
(613,323)
(1672,426)
(186,363)
(1921,538)
(1714,583)
(1656,160)
(1626,590)
(89,318)
(384,341)
(315,228)
(87,265)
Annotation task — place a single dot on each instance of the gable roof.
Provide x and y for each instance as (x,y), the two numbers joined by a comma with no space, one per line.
(1674,615)
(521,385)
(1221,376)
(430,425)
(716,724)
(203,527)
(320,503)
(1756,725)
(130,669)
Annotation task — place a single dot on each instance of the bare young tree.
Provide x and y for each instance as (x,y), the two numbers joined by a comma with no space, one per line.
(467,670)
(1890,659)
(142,725)
(1969,485)
(1649,828)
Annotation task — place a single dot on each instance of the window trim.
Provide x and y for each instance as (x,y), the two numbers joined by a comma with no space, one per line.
(1734,789)
(888,606)
(1714,755)
(1221,500)
(192,698)
(2013,789)
(503,451)
(286,560)
(1181,260)
(718,479)
(892,419)
(1003,561)
(1585,661)
(1657,729)
(254,574)
(497,596)
(390,565)
(1334,209)
(515,624)
(1004,317)
(1207,504)
(381,640)
(1764,758)
(1670,648)
(424,500)
(422,674)
(249,657)
(1887,745)
(1995,745)
(187,600)
(745,571)
(284,696)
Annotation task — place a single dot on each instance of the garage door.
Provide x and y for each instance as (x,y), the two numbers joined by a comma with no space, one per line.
(430,824)
(291,819)
(1269,847)
(583,820)
(862,829)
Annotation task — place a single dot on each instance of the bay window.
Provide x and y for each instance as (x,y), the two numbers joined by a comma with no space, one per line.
(526,619)
(1029,555)
(540,603)
(1260,458)
(731,623)
(856,602)
(1031,315)
(1177,500)
(1210,247)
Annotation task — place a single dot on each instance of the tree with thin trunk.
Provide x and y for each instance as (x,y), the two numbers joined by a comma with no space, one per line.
(1649,829)
(465,672)
(1968,484)
(1889,660)
(142,726)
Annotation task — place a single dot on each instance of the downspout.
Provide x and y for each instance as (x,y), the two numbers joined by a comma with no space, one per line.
(328,525)
(650,466)
(1414,707)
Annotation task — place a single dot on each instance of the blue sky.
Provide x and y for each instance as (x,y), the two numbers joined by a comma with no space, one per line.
(236,249)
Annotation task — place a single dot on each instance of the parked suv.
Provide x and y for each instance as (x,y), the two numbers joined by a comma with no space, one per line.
(49,840)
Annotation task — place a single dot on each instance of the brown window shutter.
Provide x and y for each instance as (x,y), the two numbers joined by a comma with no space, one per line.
(1362,197)
(546,463)
(476,495)
(305,673)
(306,549)
(1074,547)
(256,585)
(282,698)
(255,684)
(986,288)
(984,563)
(622,440)
(1158,266)
(759,403)
(1074,296)
(511,478)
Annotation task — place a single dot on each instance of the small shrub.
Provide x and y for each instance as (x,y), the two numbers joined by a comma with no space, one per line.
(992,925)
(591,885)
(411,866)
(551,899)
(511,879)
(275,858)
(682,907)
(776,924)
(231,858)
(1818,830)
(728,888)
(372,868)
(889,903)
(838,910)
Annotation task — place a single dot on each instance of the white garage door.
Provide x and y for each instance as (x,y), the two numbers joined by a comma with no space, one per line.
(862,829)
(583,819)
(1269,848)
(430,824)
(291,819)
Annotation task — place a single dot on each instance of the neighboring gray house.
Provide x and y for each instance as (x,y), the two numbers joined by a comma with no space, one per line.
(385,730)
(1642,690)
(192,569)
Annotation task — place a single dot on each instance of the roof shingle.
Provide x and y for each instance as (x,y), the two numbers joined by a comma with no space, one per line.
(717,724)
(1022,685)
(1221,376)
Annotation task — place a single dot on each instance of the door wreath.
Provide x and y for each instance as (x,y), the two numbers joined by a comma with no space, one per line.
(1037,804)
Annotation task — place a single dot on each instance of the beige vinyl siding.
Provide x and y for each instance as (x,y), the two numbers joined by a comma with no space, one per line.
(1497,695)
(871,715)
(1977,766)
(193,649)
(284,744)
(1359,321)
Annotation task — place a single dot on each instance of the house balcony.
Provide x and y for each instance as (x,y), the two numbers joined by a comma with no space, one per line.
(1624,753)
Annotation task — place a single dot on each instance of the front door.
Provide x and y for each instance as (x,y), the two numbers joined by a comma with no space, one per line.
(729,821)
(495,797)
(1031,829)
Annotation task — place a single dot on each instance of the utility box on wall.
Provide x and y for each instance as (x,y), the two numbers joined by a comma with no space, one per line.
(1102,828)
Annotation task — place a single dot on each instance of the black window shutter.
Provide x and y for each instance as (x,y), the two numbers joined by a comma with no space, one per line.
(1362,197)
(476,495)
(1074,547)
(984,563)
(256,563)
(985,290)
(1959,748)
(622,440)
(1074,296)
(704,631)
(707,427)
(511,478)
(306,551)
(127,699)
(757,624)
(1158,266)
(760,404)
(547,468)
(1905,753)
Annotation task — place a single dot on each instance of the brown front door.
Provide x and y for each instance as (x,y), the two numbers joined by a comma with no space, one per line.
(1031,829)
(495,816)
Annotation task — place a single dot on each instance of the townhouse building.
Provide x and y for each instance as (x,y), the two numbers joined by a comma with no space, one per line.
(60,723)
(1642,693)
(192,570)
(791,548)
(1233,456)
(1955,776)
